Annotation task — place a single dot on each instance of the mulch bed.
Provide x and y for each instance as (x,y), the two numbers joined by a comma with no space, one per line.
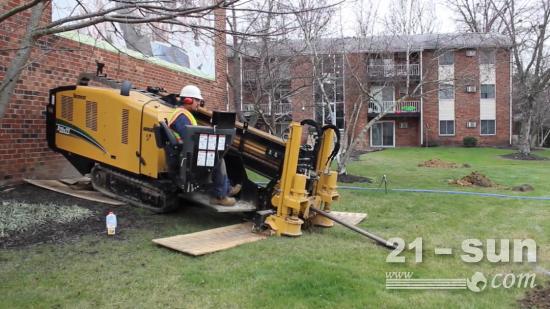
(520,156)
(356,154)
(539,298)
(349,178)
(127,216)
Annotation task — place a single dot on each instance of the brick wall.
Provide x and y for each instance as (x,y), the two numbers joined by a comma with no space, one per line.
(23,148)
(467,104)
(409,135)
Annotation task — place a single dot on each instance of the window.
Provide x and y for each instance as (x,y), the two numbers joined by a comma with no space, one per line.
(447,58)
(446,127)
(487,56)
(446,91)
(487,91)
(488,127)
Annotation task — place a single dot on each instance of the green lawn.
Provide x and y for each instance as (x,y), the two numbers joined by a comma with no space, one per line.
(324,268)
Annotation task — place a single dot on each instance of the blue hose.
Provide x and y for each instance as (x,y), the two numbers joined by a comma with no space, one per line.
(533,198)
(536,198)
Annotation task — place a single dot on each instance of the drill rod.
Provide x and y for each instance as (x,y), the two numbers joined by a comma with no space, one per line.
(379,240)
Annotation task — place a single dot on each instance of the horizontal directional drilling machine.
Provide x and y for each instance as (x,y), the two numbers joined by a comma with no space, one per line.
(120,136)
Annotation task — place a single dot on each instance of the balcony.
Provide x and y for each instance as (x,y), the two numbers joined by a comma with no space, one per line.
(392,70)
(395,107)
(278,108)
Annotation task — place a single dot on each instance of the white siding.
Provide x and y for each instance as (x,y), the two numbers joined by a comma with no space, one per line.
(487,74)
(446,73)
(487,109)
(446,110)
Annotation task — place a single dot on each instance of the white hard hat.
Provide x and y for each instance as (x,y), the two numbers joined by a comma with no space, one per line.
(191,91)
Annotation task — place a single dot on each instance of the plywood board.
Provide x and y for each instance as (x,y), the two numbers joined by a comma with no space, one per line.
(73,181)
(241,206)
(57,186)
(213,240)
(352,218)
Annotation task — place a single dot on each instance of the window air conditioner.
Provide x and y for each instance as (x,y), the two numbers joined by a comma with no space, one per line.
(470,88)
(470,53)
(471,124)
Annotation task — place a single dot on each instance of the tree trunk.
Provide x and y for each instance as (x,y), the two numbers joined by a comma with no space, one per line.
(524,144)
(237,71)
(20,60)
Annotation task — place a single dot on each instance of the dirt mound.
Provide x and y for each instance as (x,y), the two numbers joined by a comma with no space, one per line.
(538,297)
(523,188)
(474,179)
(438,163)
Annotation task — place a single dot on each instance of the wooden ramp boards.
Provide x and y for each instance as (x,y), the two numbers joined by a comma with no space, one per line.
(213,240)
(58,186)
(352,218)
(204,200)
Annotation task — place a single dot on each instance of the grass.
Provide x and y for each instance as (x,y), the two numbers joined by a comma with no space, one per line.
(324,268)
(402,171)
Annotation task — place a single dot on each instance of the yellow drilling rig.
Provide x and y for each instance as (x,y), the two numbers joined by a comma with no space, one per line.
(119,135)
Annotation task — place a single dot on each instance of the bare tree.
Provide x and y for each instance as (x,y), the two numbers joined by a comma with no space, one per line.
(525,23)
(180,13)
(480,16)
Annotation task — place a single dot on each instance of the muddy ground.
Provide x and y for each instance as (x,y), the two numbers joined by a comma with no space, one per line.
(538,298)
(128,218)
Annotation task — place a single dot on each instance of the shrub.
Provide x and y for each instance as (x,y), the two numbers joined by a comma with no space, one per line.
(469,141)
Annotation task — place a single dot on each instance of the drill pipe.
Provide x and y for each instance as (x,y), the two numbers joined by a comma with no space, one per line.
(379,240)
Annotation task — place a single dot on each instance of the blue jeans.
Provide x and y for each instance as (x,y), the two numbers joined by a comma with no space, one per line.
(221,186)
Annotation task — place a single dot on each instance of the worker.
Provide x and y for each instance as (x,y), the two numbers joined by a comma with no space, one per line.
(189,101)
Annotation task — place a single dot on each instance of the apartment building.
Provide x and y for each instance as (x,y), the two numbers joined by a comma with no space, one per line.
(429,89)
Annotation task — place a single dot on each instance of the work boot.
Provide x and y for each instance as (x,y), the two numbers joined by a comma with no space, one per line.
(235,190)
(225,201)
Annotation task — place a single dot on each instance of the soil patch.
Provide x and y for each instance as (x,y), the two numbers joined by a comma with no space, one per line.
(349,178)
(474,179)
(128,217)
(520,156)
(438,163)
(523,188)
(538,297)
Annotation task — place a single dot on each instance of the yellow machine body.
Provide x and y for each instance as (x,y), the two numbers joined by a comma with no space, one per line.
(102,125)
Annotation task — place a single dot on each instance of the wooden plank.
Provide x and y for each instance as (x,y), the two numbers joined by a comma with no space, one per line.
(74,181)
(57,186)
(212,240)
(203,199)
(352,218)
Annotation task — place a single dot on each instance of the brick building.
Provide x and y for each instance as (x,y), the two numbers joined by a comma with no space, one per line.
(431,88)
(58,61)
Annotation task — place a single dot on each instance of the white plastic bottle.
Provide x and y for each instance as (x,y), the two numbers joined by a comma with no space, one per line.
(111,223)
